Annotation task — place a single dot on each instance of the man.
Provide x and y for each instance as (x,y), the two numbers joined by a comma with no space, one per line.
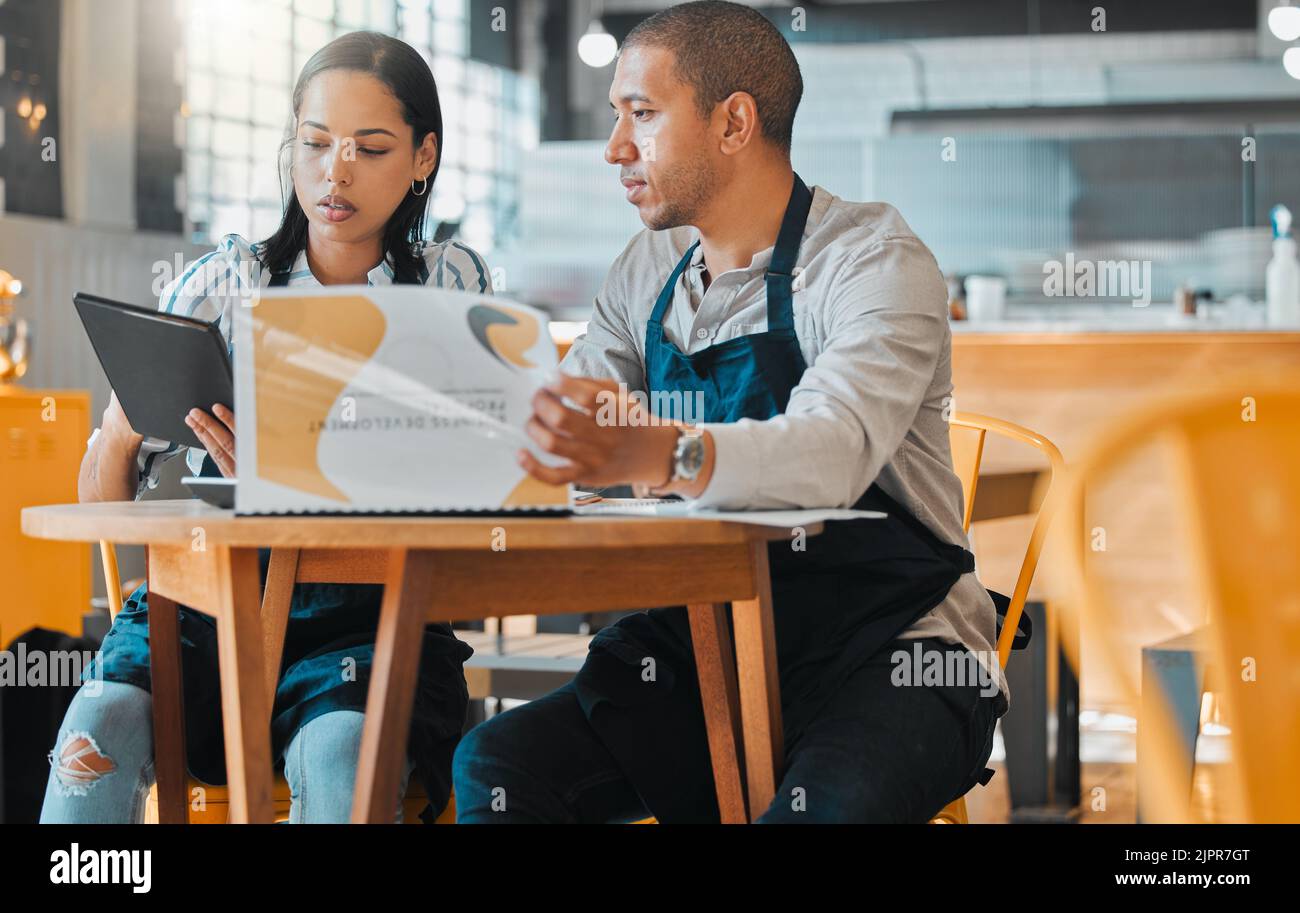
(823,367)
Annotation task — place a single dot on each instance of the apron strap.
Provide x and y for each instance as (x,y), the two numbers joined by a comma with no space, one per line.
(1024,627)
(666,295)
(780,273)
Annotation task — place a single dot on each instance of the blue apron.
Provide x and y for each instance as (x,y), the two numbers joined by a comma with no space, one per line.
(328,654)
(853,590)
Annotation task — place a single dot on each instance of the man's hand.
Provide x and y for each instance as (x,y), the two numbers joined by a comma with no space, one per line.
(217,435)
(600,451)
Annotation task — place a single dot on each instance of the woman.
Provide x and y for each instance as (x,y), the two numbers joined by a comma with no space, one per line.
(365,151)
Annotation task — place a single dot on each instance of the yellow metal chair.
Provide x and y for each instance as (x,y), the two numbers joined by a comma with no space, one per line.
(968,434)
(210,804)
(1235,465)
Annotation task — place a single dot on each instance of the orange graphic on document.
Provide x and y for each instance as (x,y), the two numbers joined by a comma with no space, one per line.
(506,333)
(305,352)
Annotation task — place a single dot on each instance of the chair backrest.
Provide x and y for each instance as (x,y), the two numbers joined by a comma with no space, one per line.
(1236,471)
(967,434)
(112,583)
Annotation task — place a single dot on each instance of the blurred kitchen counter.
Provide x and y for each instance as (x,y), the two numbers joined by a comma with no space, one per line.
(1070,383)
(1071,316)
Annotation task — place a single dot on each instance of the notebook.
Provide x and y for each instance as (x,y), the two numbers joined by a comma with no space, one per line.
(388,400)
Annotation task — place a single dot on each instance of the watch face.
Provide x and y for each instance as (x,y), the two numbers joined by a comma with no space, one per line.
(690,458)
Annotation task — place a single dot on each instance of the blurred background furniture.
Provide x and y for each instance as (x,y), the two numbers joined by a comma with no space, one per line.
(1230,456)
(44,433)
(1070,386)
(1175,678)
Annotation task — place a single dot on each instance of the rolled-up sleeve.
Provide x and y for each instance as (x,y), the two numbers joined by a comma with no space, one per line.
(885,328)
(153,453)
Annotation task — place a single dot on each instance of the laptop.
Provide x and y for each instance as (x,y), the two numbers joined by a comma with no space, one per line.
(388,400)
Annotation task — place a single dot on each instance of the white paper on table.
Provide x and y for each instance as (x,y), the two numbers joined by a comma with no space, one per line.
(682,510)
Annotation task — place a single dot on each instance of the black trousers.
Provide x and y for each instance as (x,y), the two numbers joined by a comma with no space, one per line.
(885,748)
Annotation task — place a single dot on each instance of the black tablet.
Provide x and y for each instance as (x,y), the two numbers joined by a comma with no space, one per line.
(160,365)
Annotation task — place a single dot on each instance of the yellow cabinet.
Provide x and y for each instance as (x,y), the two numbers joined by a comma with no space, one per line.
(42,440)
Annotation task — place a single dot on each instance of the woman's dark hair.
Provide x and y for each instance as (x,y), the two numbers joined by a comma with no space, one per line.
(406,74)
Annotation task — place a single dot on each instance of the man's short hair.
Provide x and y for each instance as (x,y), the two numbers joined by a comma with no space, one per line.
(723,48)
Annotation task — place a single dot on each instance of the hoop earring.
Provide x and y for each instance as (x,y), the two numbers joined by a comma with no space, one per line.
(424,181)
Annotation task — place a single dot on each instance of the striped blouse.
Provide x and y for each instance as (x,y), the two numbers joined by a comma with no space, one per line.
(214,284)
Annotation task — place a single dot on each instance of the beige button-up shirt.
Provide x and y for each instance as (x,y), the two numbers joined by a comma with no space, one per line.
(871,314)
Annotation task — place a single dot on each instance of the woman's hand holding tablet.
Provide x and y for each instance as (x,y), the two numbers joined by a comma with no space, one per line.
(217,435)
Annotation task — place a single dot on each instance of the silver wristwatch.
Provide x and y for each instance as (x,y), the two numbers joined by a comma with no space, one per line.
(688,458)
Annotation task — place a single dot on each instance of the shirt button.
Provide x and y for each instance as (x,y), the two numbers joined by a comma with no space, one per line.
(701,334)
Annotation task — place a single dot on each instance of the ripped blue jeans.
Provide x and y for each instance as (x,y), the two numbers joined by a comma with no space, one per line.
(101,766)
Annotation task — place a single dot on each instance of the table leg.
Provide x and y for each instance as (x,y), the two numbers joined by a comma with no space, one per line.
(244,709)
(760,686)
(168,710)
(408,593)
(277,599)
(718,692)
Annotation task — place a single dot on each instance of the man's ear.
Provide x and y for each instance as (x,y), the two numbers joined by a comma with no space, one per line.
(426,157)
(737,119)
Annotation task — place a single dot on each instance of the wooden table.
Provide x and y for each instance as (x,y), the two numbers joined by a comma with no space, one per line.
(438,569)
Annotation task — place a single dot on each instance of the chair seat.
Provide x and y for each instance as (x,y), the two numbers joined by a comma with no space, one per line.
(215,805)
(953,813)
